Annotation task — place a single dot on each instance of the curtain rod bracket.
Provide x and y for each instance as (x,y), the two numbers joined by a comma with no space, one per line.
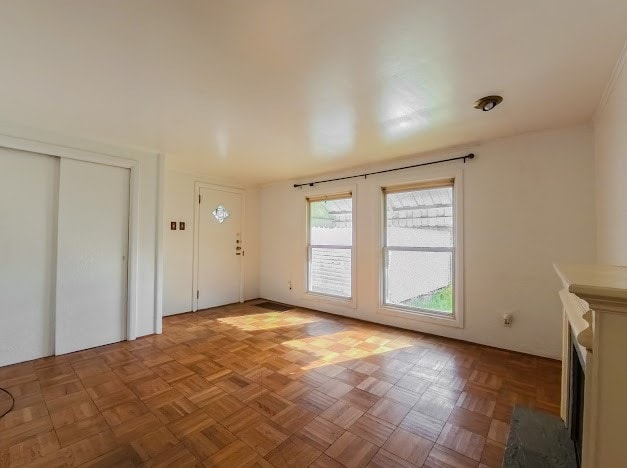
(469,156)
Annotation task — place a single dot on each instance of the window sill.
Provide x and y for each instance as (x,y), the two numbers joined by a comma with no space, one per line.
(334,300)
(455,321)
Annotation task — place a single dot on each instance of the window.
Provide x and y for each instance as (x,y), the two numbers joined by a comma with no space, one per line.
(330,245)
(419,248)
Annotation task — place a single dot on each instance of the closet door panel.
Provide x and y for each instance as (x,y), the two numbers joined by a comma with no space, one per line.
(28,209)
(91,307)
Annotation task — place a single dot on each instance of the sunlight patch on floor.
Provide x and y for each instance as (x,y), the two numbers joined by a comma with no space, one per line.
(344,346)
(267,321)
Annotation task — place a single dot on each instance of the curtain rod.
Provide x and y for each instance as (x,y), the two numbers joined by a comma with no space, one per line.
(311,184)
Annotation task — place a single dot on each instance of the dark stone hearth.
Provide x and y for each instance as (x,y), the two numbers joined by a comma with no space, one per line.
(538,440)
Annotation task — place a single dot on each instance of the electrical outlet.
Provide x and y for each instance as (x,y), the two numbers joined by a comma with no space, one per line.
(507,320)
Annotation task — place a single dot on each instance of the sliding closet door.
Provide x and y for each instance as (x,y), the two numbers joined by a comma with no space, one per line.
(28,207)
(92,255)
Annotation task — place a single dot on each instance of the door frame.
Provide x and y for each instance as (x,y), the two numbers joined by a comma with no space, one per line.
(196,260)
(133,212)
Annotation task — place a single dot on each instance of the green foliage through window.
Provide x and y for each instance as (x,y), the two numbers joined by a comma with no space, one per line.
(440,300)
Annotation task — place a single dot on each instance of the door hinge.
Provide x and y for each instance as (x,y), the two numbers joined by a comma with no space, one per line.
(199,199)
(197,294)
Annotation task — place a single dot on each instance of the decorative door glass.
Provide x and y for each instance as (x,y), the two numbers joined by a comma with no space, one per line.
(220,213)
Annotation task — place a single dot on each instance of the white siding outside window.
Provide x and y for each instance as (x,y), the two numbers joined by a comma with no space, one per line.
(330,245)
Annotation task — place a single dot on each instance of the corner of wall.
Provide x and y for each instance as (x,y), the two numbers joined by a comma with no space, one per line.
(611,85)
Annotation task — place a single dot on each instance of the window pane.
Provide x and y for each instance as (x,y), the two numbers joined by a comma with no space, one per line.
(331,222)
(420,280)
(330,272)
(420,218)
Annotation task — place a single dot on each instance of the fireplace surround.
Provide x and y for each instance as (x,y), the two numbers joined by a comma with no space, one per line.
(594,362)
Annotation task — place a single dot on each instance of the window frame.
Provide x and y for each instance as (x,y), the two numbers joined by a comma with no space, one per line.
(432,179)
(318,195)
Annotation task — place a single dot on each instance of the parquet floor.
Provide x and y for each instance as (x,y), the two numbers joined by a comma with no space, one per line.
(242,386)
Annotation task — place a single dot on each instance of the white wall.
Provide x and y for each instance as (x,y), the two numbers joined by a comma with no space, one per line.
(610,134)
(148,168)
(179,245)
(528,202)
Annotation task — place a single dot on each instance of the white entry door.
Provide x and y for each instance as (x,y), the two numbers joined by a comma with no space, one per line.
(92,255)
(219,248)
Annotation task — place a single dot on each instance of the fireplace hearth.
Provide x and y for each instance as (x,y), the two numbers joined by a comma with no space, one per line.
(538,440)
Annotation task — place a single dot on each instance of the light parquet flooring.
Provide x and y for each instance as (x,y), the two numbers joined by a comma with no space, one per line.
(242,386)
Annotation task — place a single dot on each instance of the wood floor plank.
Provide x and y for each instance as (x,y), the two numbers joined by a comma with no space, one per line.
(498,431)
(293,452)
(153,443)
(390,411)
(462,441)
(423,425)
(474,422)
(32,449)
(321,433)
(24,432)
(372,429)
(177,455)
(442,457)
(409,446)
(264,436)
(342,413)
(81,429)
(492,454)
(352,451)
(385,459)
(235,454)
(90,448)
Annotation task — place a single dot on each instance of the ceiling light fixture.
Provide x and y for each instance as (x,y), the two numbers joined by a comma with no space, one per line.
(488,103)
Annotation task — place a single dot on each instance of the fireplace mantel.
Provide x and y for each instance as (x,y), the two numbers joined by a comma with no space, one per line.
(595,315)
(596,282)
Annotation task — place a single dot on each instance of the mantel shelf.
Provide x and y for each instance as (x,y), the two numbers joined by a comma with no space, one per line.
(595,281)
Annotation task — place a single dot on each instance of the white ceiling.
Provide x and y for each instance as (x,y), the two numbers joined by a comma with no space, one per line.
(267,90)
